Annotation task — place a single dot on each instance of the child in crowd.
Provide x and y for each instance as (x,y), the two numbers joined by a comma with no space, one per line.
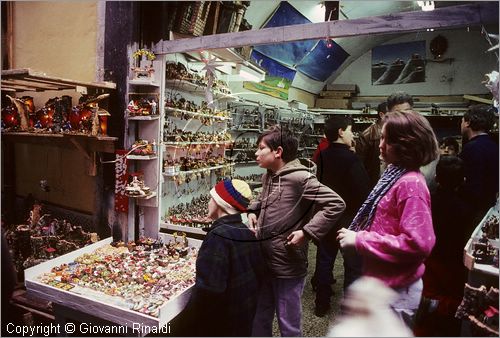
(293,207)
(393,231)
(340,169)
(229,267)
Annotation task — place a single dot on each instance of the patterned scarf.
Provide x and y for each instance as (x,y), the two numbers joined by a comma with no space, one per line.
(364,217)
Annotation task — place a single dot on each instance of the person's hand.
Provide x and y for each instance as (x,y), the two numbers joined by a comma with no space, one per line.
(296,238)
(252,222)
(346,238)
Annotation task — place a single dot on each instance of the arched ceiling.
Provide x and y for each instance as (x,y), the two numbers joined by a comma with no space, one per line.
(259,12)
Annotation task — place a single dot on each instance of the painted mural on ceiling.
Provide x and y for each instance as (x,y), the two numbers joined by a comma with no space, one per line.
(312,58)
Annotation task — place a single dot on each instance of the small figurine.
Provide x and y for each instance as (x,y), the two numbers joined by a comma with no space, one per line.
(153,105)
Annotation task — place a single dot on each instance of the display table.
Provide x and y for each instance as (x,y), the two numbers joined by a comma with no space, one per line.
(469,260)
(90,306)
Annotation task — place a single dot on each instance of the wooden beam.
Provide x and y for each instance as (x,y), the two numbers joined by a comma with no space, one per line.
(478,99)
(405,22)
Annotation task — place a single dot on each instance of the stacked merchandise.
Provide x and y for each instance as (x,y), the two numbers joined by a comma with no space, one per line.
(337,96)
(44,237)
(140,276)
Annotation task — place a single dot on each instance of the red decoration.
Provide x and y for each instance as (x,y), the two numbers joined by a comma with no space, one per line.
(121,181)
(10,117)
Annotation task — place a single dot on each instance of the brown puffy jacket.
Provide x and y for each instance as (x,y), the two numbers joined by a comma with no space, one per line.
(293,199)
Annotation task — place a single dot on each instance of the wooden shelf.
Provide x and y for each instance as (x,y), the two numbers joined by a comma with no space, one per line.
(144,83)
(192,113)
(195,89)
(198,170)
(144,118)
(142,157)
(104,144)
(142,197)
(173,144)
(25,79)
(176,227)
(246,130)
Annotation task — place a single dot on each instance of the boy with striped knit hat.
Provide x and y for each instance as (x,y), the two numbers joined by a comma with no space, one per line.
(229,266)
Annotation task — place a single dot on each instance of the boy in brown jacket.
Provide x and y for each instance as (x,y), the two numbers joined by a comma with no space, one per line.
(293,207)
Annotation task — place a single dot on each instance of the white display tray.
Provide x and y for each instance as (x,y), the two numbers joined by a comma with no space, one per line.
(469,260)
(101,307)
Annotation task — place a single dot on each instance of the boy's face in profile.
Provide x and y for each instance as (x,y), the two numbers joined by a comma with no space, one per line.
(265,157)
(212,209)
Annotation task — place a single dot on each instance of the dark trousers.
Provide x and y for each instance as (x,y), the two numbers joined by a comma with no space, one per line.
(323,278)
(353,266)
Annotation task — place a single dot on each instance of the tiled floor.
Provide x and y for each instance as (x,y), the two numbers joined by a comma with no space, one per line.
(315,326)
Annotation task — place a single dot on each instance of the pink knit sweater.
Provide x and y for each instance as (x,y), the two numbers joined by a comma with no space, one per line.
(401,235)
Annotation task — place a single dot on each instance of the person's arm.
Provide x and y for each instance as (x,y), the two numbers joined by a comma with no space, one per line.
(255,207)
(328,205)
(362,147)
(413,239)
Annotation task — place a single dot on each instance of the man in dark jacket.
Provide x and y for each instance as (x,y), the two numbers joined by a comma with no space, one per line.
(341,170)
(480,156)
(367,146)
(293,207)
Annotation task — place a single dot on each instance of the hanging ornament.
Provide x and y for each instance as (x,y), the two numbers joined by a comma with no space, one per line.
(210,65)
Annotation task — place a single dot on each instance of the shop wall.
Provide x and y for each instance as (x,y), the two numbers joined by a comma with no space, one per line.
(463,75)
(58,38)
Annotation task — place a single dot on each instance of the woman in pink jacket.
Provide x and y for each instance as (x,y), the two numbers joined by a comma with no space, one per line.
(392,231)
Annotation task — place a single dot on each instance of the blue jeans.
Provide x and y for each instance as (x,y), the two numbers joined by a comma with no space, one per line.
(283,297)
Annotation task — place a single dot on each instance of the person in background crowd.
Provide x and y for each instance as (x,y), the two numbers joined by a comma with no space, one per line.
(341,170)
(367,146)
(392,230)
(323,144)
(480,156)
(447,146)
(229,267)
(293,207)
(399,101)
(445,274)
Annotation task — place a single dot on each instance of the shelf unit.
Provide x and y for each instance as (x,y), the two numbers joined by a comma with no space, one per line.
(25,80)
(178,120)
(143,212)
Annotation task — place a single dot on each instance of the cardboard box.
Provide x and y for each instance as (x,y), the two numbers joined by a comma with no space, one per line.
(344,87)
(333,103)
(335,94)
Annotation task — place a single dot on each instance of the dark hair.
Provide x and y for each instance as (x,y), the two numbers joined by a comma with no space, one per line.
(382,107)
(278,136)
(399,98)
(450,142)
(480,117)
(450,172)
(333,124)
(412,138)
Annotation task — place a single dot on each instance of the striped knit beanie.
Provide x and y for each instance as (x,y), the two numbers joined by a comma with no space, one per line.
(232,195)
